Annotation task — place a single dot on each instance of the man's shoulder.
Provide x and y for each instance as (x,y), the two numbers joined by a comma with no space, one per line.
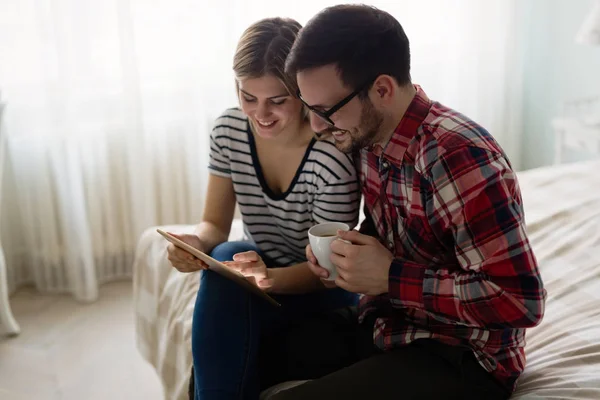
(445,131)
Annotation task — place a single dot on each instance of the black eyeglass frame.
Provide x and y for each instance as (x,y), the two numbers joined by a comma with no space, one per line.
(326,115)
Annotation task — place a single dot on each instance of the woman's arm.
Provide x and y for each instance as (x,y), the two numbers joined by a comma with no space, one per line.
(214,228)
(218,212)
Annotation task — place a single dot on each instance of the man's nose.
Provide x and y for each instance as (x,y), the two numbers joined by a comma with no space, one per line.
(317,123)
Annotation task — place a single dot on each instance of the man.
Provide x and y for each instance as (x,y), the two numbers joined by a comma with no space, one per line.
(449,281)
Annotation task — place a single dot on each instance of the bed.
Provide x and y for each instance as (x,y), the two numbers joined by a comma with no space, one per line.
(562,206)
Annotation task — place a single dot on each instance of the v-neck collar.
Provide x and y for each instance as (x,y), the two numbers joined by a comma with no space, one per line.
(259,172)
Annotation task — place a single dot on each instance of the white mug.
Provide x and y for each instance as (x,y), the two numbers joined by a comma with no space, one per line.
(320,237)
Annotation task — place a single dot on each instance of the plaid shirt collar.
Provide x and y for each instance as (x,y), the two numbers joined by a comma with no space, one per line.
(406,130)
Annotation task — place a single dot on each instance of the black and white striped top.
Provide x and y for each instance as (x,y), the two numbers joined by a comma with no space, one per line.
(325,188)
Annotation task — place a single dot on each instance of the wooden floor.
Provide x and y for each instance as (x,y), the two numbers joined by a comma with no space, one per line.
(68,350)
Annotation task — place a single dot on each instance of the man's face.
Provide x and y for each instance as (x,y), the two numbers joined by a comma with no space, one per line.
(357,123)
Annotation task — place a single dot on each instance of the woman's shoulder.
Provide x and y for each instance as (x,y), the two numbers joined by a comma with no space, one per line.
(234,113)
(327,156)
(232,119)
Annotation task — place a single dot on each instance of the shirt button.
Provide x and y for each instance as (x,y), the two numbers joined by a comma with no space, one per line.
(386,206)
(385,165)
(390,245)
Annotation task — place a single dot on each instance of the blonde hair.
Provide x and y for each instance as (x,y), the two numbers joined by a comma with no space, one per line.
(263,49)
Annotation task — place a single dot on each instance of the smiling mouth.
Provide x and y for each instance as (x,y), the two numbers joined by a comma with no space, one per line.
(265,124)
(337,134)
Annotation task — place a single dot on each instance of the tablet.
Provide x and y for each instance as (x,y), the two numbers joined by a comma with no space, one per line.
(219,267)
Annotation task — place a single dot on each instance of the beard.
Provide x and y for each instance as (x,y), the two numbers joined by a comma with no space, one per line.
(364,135)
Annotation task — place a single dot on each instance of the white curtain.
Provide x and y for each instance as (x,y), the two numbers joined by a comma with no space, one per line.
(109,106)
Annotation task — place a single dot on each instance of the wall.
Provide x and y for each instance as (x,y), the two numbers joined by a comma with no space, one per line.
(556,70)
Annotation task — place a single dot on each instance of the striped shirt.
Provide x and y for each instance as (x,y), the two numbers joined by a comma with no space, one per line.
(444,199)
(325,188)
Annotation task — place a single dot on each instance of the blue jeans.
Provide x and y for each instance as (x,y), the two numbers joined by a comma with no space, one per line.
(229,322)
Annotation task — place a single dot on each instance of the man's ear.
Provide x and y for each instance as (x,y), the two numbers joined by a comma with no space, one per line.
(385,86)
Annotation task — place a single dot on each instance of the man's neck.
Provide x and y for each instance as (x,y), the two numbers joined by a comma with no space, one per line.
(391,120)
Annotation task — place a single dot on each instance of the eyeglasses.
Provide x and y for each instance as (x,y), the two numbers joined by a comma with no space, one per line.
(326,115)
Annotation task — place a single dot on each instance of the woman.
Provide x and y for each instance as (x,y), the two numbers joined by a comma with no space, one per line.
(264,157)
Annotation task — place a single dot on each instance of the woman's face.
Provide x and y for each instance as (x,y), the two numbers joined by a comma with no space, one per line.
(269,105)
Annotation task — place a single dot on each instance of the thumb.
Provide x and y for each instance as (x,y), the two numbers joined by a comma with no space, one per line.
(355,237)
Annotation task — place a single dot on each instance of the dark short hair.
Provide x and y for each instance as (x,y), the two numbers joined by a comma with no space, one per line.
(362,41)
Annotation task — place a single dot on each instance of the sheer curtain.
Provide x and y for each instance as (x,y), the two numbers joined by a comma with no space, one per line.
(109,106)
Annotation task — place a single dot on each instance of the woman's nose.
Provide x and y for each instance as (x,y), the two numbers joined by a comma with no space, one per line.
(262,111)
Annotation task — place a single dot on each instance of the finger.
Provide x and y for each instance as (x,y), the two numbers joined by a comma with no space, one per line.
(344,274)
(184,260)
(328,284)
(183,257)
(178,264)
(317,270)
(172,250)
(184,267)
(341,248)
(341,262)
(247,256)
(178,253)
(265,283)
(310,255)
(257,270)
(356,237)
(185,270)
(189,263)
(248,268)
(345,281)
(239,265)
(231,264)
(341,282)
(196,266)
(235,268)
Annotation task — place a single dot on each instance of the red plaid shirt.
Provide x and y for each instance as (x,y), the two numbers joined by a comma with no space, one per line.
(444,199)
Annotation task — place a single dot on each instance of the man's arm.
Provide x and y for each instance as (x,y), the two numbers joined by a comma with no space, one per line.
(498,285)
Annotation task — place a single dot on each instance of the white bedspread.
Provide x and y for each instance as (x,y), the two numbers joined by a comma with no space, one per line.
(563,220)
(562,206)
